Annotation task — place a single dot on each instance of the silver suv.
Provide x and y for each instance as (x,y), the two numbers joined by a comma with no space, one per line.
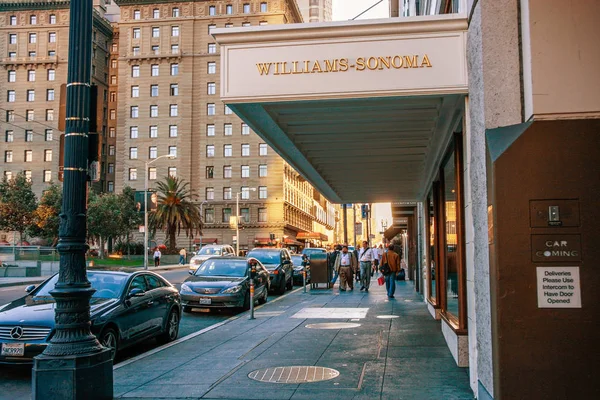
(206,252)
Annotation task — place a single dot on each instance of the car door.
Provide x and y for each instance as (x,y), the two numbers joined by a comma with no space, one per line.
(261,281)
(160,302)
(135,322)
(287,265)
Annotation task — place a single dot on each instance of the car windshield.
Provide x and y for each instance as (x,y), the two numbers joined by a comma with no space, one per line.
(222,267)
(209,251)
(308,252)
(266,257)
(108,286)
(297,260)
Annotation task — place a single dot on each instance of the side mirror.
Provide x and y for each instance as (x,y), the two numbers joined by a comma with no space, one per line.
(190,272)
(135,293)
(30,288)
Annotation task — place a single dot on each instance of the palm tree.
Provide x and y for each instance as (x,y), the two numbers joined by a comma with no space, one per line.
(175,210)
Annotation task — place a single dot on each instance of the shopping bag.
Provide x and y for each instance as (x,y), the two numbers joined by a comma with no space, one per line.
(381,280)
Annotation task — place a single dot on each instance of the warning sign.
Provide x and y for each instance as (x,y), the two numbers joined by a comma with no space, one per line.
(558,287)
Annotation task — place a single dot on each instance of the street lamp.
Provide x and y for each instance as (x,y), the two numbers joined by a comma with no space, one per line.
(202,227)
(170,157)
(237,219)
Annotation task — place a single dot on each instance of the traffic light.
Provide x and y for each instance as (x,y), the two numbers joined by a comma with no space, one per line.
(272,237)
(364,210)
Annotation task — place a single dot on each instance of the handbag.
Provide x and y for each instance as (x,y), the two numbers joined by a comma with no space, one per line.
(381,280)
(385,267)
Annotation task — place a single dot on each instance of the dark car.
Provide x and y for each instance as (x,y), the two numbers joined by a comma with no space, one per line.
(312,250)
(301,262)
(279,264)
(126,308)
(224,282)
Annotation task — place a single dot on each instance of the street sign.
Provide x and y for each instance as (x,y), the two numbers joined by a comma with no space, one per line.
(358,228)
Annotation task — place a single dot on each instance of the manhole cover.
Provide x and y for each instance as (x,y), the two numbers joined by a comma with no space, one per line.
(297,374)
(333,325)
(387,316)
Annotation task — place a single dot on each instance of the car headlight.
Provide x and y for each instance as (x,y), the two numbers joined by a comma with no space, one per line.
(185,288)
(233,289)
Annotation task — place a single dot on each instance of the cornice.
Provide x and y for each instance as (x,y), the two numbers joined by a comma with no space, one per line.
(136,2)
(21,5)
(102,24)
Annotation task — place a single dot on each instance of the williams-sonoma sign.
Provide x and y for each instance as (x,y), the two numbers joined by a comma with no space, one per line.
(343,65)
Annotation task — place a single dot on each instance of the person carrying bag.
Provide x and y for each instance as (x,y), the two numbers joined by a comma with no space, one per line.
(390,266)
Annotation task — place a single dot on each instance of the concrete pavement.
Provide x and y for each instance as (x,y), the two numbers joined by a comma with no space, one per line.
(386,358)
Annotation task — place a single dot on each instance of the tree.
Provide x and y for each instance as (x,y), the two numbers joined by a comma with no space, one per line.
(46,219)
(17,204)
(104,217)
(175,211)
(130,216)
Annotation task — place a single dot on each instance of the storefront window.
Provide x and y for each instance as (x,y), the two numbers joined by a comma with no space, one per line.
(432,261)
(451,262)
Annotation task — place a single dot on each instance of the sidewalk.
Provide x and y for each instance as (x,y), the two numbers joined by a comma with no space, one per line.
(18,281)
(401,358)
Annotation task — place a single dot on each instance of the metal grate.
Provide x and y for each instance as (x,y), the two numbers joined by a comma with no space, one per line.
(295,374)
(24,332)
(206,290)
(333,325)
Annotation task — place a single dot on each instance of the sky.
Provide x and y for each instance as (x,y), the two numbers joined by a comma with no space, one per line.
(348,9)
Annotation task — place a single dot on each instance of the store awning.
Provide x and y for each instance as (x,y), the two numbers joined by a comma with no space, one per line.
(312,236)
(292,242)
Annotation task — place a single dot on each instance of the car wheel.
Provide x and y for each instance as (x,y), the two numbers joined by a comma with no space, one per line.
(109,339)
(264,299)
(282,284)
(171,329)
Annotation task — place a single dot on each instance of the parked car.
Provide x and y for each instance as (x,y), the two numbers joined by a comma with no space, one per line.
(301,262)
(127,308)
(279,264)
(312,250)
(213,250)
(224,282)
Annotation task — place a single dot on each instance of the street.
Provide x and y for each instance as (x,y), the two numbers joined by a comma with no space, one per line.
(15,381)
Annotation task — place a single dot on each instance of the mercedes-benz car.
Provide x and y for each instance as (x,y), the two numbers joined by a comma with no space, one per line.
(126,308)
(206,252)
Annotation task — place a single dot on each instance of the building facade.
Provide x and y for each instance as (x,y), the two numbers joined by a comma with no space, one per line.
(315,10)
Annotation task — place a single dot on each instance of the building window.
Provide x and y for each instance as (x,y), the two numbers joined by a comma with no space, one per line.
(135,91)
(47,155)
(174,89)
(135,50)
(175,12)
(12,38)
(33,38)
(245,171)
(226,213)
(212,48)
(227,193)
(133,153)
(153,131)
(154,70)
(227,150)
(174,69)
(174,31)
(246,8)
(52,37)
(31,95)
(12,76)
(212,10)
(29,115)
(11,96)
(210,193)
(155,31)
(262,170)
(227,171)
(47,175)
(152,173)
(172,172)
(212,67)
(28,155)
(156,13)
(51,74)
(50,95)
(155,50)
(262,149)
(12,54)
(264,7)
(245,193)
(211,88)
(153,90)
(172,130)
(262,215)
(133,174)
(209,216)
(31,75)
(210,172)
(152,152)
(111,150)
(133,132)
(245,24)
(28,136)
(111,168)
(227,129)
(51,53)
(113,63)
(137,14)
(50,115)
(173,110)
(210,130)
(229,9)
(210,150)
(245,215)
(174,49)
(9,136)
(228,111)
(173,151)
(52,19)
(112,132)
(210,109)
(135,71)
(134,112)
(113,79)
(245,150)
(229,25)
(10,115)
(13,20)
(262,192)
(27,175)
(154,111)
(245,129)
(136,33)
(263,23)
(8,156)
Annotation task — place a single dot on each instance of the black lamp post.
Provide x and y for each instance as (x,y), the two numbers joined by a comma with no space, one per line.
(74,365)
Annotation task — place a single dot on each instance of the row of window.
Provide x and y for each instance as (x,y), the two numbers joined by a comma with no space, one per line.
(32,37)
(12,20)
(11,95)
(154,90)
(28,156)
(136,33)
(135,111)
(264,7)
(46,175)
(209,215)
(29,115)
(152,152)
(227,129)
(31,74)
(155,70)
(244,193)
(155,50)
(9,136)
(133,173)
(137,14)
(152,131)
(175,13)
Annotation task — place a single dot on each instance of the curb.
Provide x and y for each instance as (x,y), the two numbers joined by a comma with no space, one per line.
(19,283)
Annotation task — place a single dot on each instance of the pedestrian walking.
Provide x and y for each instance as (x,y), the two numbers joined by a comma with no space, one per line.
(377,254)
(392,259)
(345,265)
(367,260)
(182,256)
(331,259)
(157,256)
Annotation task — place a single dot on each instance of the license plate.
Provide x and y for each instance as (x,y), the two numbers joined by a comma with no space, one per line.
(204,301)
(13,349)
